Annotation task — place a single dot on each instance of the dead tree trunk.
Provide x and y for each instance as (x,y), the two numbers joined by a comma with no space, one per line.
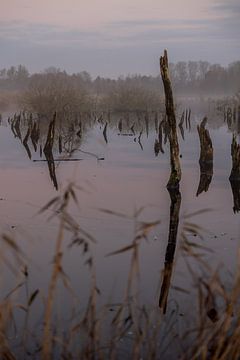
(175,175)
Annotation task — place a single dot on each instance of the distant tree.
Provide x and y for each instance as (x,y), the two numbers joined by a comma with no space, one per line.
(85,76)
(52,70)
(22,73)
(11,73)
(131,97)
(203,67)
(51,92)
(192,71)
(181,72)
(3,73)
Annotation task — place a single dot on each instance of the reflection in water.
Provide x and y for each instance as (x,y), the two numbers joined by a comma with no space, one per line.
(235,185)
(16,126)
(105,133)
(35,135)
(206,174)
(120,125)
(25,143)
(235,152)
(48,151)
(70,134)
(235,174)
(175,196)
(206,158)
(139,139)
(186,115)
(158,142)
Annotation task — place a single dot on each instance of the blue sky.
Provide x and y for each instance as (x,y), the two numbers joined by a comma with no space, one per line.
(116,37)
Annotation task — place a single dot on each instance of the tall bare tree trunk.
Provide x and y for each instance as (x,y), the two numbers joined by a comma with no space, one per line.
(175,175)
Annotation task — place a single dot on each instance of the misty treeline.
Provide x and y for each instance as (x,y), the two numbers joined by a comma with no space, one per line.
(54,89)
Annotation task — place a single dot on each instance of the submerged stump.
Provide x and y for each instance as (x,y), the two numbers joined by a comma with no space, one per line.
(175,175)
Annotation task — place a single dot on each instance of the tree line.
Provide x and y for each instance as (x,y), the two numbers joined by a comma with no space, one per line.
(132,92)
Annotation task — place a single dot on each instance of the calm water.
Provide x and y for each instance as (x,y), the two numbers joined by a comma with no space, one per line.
(121,173)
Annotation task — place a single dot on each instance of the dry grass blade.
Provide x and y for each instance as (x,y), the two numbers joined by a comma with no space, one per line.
(32,297)
(146,227)
(199,212)
(178,288)
(11,243)
(115,213)
(13,290)
(49,204)
(122,250)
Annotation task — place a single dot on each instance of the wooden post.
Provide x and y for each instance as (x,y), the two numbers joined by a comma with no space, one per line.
(175,175)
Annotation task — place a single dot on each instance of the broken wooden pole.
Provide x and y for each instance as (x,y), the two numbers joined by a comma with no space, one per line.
(175,175)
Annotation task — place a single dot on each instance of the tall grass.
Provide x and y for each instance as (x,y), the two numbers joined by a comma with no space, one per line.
(132,330)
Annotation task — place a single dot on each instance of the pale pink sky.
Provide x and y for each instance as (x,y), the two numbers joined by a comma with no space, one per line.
(116,36)
(83,14)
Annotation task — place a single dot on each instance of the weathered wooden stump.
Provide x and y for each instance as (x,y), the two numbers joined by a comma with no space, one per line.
(206,158)
(206,153)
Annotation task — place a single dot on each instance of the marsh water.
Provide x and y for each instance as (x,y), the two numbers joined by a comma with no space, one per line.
(117,169)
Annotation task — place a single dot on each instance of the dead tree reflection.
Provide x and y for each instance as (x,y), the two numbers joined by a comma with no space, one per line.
(180,125)
(158,147)
(105,133)
(235,174)
(47,150)
(25,142)
(35,133)
(175,196)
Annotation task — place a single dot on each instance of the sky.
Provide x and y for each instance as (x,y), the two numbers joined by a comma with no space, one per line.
(117,37)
